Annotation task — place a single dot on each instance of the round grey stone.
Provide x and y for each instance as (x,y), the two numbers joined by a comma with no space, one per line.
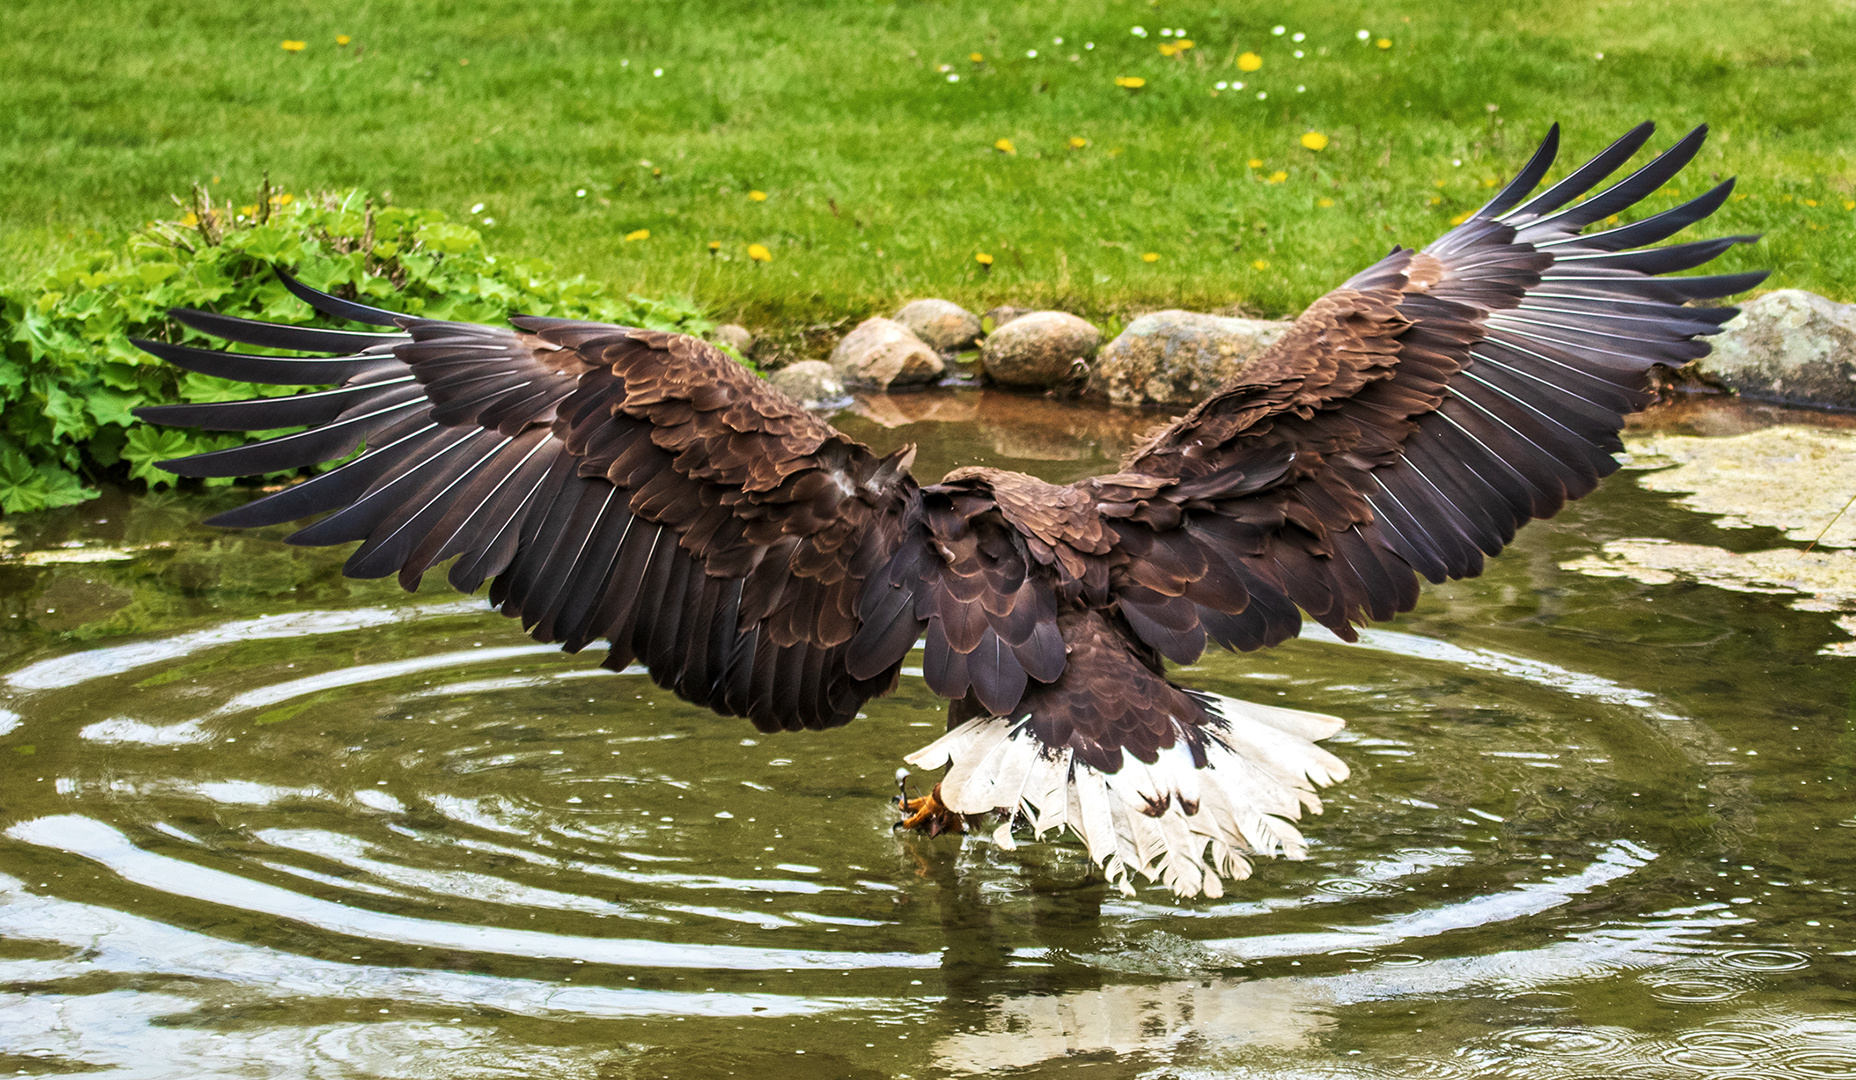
(812,383)
(1042,349)
(735,337)
(883,354)
(1001,315)
(941,324)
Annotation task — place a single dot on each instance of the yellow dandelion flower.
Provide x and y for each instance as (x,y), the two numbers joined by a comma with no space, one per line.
(759,253)
(1278,176)
(715,246)
(638,234)
(1849,204)
(191,219)
(1077,142)
(1249,62)
(758,196)
(285,199)
(1183,44)
(1461,218)
(1810,202)
(1151,257)
(249,211)
(1324,203)
(1005,146)
(983,259)
(1255,163)
(342,39)
(1261,264)
(1384,43)
(1132,82)
(295,46)
(1169,49)
(976,58)
(1314,140)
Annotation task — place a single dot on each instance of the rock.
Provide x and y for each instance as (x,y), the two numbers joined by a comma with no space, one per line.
(1179,357)
(1042,349)
(882,353)
(1790,346)
(1001,315)
(941,324)
(812,383)
(735,337)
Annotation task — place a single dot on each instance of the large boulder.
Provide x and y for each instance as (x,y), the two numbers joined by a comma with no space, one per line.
(941,324)
(1179,357)
(1042,349)
(1790,346)
(883,354)
(812,383)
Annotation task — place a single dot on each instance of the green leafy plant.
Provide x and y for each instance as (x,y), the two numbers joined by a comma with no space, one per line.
(69,377)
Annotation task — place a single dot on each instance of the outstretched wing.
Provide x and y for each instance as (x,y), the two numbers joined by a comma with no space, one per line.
(1415,417)
(615,483)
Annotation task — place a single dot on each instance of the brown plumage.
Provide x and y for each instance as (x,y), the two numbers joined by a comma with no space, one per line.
(641,488)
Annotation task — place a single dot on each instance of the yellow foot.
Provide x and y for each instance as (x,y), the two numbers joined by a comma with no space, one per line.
(928,814)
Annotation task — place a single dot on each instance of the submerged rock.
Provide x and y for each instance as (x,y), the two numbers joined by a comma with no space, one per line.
(812,383)
(1821,580)
(884,354)
(1796,479)
(735,337)
(1790,346)
(1179,357)
(941,324)
(1792,478)
(1043,349)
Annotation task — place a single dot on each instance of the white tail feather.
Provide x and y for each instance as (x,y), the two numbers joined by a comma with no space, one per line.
(1261,770)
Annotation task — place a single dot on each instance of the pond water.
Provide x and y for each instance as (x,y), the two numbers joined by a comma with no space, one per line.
(256,820)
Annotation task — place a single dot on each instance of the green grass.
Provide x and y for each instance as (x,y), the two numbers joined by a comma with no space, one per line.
(881,176)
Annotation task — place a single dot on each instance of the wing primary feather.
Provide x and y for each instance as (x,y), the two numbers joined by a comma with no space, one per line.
(272,370)
(1527,179)
(1586,176)
(279,336)
(335,305)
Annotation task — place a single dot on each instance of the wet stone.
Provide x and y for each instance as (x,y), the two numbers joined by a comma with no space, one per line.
(1043,349)
(941,324)
(812,383)
(1791,346)
(884,354)
(1179,357)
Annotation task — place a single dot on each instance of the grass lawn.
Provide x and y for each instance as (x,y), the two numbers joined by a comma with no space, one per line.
(579,124)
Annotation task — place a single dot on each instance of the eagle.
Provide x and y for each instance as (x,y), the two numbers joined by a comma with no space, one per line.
(642,488)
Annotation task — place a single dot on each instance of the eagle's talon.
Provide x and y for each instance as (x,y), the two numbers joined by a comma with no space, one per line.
(928,814)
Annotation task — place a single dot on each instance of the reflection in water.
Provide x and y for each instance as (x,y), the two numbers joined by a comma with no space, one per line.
(96,841)
(1592,832)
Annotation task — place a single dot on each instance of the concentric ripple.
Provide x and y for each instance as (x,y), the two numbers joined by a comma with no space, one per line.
(397,830)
